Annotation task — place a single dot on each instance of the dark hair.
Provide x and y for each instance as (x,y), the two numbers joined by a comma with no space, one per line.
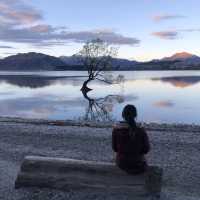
(129,114)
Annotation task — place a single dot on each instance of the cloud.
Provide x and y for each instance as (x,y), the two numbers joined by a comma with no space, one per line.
(190,30)
(170,35)
(173,34)
(8,53)
(47,35)
(22,23)
(17,12)
(107,36)
(158,18)
(6,47)
(42,28)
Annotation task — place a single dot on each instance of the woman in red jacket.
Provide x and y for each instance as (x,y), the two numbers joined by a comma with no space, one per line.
(130,142)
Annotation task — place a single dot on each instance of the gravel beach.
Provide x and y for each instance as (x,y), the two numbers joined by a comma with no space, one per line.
(174,148)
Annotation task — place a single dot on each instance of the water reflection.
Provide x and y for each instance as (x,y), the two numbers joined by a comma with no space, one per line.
(40,107)
(159,96)
(100,109)
(37,81)
(181,82)
(164,104)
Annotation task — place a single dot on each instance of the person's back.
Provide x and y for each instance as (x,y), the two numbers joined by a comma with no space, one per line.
(131,143)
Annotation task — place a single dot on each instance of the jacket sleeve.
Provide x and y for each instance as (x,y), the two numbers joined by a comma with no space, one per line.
(114,142)
(146,144)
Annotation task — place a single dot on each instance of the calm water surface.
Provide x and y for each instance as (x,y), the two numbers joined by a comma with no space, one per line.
(160,96)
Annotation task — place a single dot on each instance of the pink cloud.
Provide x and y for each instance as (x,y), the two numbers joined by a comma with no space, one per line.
(158,18)
(41,28)
(170,35)
(17,13)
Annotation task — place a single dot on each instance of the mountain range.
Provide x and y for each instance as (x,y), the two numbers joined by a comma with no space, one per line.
(38,61)
(30,61)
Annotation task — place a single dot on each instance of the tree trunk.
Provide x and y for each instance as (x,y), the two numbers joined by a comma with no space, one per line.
(85,88)
(69,174)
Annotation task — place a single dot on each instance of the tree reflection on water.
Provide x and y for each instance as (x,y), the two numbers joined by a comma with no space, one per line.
(100,109)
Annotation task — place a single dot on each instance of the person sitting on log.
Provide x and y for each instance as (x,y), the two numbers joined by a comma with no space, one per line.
(130,142)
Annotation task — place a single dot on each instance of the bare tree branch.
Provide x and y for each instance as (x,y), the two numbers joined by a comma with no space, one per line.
(96,56)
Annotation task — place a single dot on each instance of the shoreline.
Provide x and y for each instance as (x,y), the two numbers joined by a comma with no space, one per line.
(150,126)
(116,70)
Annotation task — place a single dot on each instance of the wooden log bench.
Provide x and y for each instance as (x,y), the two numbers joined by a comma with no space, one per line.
(65,174)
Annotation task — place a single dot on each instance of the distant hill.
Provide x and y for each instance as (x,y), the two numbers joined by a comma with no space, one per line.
(30,61)
(70,60)
(179,56)
(178,61)
(36,61)
(185,59)
(117,63)
(120,64)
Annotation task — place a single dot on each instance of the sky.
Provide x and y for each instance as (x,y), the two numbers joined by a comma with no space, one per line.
(141,29)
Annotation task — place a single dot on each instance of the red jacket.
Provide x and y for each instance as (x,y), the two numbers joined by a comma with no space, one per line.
(130,150)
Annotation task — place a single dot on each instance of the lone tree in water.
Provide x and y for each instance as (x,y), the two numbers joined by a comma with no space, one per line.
(96,56)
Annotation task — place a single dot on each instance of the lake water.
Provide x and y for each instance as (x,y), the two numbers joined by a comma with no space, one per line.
(160,96)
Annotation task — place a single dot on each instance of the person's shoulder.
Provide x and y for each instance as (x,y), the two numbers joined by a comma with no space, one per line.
(120,125)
